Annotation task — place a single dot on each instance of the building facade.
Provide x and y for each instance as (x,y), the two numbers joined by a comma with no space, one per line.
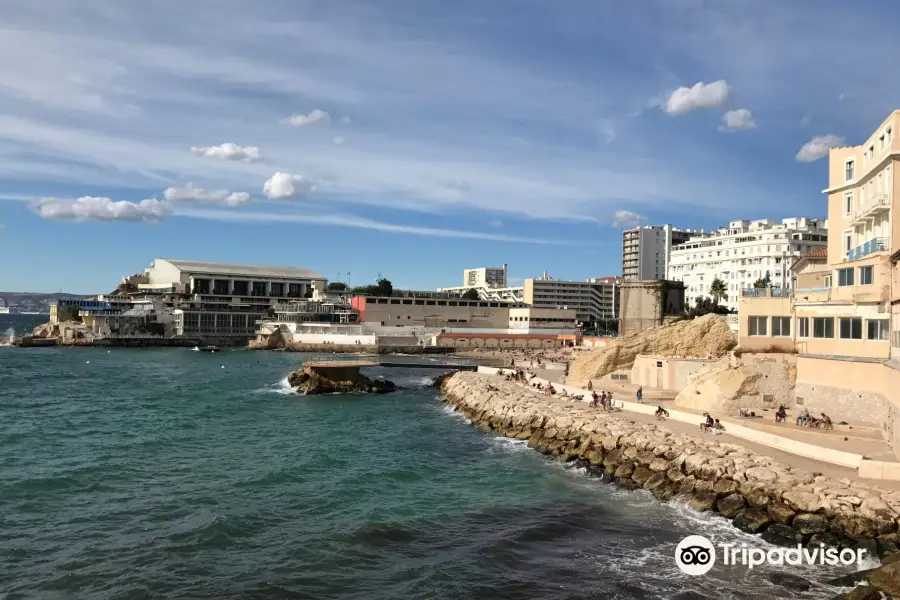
(592,300)
(433,311)
(743,253)
(842,318)
(646,304)
(646,251)
(490,277)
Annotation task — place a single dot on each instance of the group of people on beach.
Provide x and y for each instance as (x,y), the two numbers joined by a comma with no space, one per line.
(711,425)
(804,419)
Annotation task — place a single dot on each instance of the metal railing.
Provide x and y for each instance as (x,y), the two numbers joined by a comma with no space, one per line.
(874,245)
(753,292)
(781,292)
(873,203)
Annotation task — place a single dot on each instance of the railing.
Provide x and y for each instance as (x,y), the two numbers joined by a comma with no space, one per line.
(781,292)
(870,247)
(818,290)
(754,292)
(732,319)
(874,203)
(135,336)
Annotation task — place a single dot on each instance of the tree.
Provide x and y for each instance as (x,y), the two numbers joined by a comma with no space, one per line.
(705,306)
(382,287)
(763,282)
(337,286)
(718,290)
(471,294)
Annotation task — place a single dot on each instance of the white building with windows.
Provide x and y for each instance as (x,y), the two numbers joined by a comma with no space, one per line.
(742,253)
(646,250)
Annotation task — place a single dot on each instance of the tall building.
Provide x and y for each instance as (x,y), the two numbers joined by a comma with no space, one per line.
(646,250)
(592,301)
(843,317)
(742,253)
(490,277)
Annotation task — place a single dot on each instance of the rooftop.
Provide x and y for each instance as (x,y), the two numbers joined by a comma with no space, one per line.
(818,253)
(221,268)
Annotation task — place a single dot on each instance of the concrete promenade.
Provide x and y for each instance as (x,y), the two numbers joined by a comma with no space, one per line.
(828,454)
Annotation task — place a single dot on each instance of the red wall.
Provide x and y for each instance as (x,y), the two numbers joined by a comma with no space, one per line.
(359,303)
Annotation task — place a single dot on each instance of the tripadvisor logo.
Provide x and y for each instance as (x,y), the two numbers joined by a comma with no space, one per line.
(696,555)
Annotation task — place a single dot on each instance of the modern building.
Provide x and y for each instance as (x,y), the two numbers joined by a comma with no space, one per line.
(843,319)
(646,251)
(592,300)
(491,277)
(646,304)
(530,319)
(743,253)
(434,310)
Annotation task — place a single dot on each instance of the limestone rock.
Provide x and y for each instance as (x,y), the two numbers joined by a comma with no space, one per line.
(697,337)
(725,487)
(702,502)
(625,469)
(726,386)
(853,526)
(781,513)
(887,580)
(641,475)
(752,520)
(805,501)
(730,506)
(789,581)
(808,524)
(312,382)
(781,535)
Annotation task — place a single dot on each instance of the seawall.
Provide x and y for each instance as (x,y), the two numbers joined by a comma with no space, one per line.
(757,493)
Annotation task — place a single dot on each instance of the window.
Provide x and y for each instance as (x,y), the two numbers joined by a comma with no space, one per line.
(848,203)
(881,143)
(823,327)
(827,281)
(877,329)
(851,328)
(887,136)
(845,277)
(865,275)
(781,326)
(757,325)
(848,170)
(803,327)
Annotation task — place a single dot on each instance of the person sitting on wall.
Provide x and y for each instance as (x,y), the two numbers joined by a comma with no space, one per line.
(661,413)
(803,418)
(780,414)
(708,423)
(825,422)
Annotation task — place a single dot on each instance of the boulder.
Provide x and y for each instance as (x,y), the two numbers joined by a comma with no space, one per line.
(805,501)
(887,580)
(675,475)
(781,513)
(624,469)
(789,581)
(703,501)
(725,487)
(310,382)
(853,526)
(656,480)
(641,475)
(829,540)
(659,464)
(752,520)
(781,535)
(730,506)
(809,524)
(612,459)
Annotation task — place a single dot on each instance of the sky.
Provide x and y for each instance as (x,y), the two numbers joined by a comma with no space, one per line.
(415,138)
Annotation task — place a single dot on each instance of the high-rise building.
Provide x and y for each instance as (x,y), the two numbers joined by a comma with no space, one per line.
(593,301)
(489,277)
(742,253)
(646,250)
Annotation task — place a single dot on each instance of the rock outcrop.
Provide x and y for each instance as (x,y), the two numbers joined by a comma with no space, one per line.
(338,380)
(703,336)
(761,495)
(749,381)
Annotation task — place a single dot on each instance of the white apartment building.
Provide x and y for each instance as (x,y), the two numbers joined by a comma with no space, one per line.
(489,277)
(742,253)
(646,251)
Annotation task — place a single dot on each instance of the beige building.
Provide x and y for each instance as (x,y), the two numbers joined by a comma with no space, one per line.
(646,304)
(842,317)
(543,318)
(433,311)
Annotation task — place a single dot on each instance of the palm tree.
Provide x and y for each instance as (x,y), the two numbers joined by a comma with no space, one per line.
(718,289)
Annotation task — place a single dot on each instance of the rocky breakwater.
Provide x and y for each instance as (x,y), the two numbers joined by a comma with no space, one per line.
(336,380)
(757,493)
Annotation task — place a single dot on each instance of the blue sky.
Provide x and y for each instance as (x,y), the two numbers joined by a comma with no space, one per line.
(415,138)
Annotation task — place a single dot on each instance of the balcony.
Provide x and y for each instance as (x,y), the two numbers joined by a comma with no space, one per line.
(772,292)
(872,246)
(875,204)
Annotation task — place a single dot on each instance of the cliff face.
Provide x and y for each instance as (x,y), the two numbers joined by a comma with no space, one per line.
(751,381)
(700,337)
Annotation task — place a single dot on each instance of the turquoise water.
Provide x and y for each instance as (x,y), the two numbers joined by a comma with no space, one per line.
(160,474)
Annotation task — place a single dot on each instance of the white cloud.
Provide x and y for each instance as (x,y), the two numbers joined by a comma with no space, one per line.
(496,223)
(459,186)
(346,120)
(191,194)
(229,151)
(818,147)
(314,116)
(285,185)
(91,208)
(737,120)
(338,140)
(701,95)
(626,218)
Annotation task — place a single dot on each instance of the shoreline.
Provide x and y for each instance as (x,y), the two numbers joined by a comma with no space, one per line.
(756,493)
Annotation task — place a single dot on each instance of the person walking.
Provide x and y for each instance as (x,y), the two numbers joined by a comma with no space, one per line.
(640,395)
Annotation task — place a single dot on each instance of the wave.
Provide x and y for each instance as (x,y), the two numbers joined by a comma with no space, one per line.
(281,387)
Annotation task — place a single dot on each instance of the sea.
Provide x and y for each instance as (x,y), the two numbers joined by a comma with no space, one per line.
(169,473)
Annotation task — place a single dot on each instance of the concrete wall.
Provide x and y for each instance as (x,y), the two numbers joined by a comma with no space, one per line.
(433,312)
(497,341)
(668,373)
(645,304)
(751,381)
(850,390)
(332,338)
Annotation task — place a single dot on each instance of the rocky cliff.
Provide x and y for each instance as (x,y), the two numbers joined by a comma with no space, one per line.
(701,337)
(758,493)
(336,380)
(750,381)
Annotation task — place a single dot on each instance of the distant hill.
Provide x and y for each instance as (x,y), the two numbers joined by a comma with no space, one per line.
(34,301)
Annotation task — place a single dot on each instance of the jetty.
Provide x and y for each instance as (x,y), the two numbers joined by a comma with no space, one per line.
(323,360)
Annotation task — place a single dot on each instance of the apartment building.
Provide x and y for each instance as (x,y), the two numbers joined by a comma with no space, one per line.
(489,282)
(592,301)
(646,251)
(842,317)
(434,310)
(491,277)
(742,253)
